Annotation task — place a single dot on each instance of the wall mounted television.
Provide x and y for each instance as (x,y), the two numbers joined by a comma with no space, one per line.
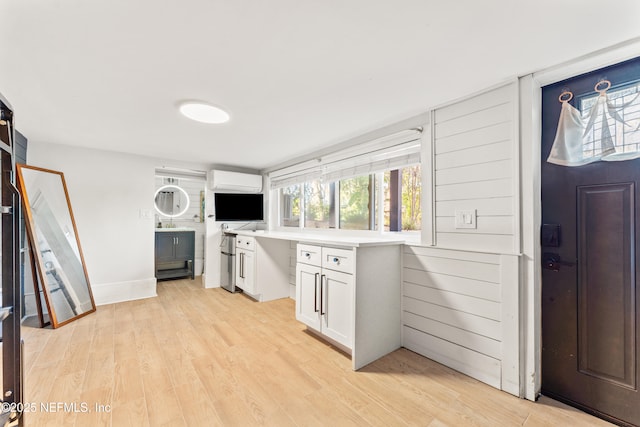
(239,207)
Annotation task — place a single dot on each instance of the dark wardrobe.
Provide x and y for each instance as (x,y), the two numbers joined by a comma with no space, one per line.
(11,309)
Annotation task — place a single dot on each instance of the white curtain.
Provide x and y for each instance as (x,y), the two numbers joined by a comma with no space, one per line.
(569,144)
(567,149)
(391,152)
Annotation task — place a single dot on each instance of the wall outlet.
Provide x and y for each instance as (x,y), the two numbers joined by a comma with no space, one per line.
(466,218)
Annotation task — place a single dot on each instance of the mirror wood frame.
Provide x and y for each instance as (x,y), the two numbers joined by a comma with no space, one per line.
(36,255)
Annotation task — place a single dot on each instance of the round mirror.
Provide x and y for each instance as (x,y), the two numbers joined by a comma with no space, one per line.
(171,201)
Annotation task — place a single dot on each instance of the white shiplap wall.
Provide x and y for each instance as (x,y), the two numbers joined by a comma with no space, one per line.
(474,148)
(460,296)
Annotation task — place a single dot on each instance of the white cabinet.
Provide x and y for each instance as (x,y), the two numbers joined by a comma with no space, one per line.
(307,297)
(245,264)
(351,297)
(324,298)
(262,267)
(336,308)
(245,271)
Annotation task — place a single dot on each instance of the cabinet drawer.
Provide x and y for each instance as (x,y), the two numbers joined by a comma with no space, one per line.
(338,260)
(308,254)
(247,243)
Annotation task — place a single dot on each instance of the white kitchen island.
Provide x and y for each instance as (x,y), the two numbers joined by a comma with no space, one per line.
(348,289)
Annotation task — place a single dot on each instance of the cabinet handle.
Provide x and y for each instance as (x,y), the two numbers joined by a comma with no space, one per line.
(315,293)
(177,240)
(241,265)
(323,280)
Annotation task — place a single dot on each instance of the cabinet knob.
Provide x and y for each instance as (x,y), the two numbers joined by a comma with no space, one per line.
(307,255)
(336,260)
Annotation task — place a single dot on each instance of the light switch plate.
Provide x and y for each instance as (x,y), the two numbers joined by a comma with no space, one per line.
(145,213)
(465,218)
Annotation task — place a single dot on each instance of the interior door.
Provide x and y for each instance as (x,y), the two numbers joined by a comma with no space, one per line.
(590,302)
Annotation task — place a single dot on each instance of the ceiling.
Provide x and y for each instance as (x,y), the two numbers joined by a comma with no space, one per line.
(296,76)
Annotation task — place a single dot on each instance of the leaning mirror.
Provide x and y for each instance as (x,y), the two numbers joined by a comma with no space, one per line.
(55,245)
(171,201)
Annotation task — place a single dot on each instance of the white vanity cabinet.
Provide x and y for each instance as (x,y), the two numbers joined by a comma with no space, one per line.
(351,296)
(262,267)
(324,291)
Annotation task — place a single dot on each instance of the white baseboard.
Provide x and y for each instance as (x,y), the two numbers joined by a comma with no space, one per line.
(209,284)
(109,293)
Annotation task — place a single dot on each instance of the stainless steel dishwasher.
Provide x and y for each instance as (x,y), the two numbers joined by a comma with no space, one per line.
(228,262)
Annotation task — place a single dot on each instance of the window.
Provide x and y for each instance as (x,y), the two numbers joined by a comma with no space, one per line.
(402,195)
(350,190)
(623,130)
(353,203)
(357,203)
(290,206)
(319,204)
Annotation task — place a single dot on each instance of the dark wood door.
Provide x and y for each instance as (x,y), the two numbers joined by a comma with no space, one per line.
(590,305)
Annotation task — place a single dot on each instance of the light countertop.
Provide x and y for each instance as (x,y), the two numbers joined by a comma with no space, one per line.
(323,239)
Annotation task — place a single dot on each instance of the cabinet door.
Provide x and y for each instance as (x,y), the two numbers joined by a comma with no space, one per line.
(308,295)
(338,306)
(245,271)
(164,247)
(184,246)
(249,273)
(239,273)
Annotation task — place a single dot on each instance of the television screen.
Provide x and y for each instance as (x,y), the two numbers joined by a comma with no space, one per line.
(239,207)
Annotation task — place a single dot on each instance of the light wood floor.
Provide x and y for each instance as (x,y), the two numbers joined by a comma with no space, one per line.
(204,357)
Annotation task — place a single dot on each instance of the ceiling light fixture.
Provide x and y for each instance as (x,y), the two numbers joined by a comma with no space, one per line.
(204,113)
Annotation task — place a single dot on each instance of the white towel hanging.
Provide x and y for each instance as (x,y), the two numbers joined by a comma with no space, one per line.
(567,149)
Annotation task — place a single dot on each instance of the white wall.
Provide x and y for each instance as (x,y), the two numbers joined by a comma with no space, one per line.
(112,200)
(460,295)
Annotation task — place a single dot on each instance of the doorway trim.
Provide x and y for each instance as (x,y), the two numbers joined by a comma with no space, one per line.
(530,94)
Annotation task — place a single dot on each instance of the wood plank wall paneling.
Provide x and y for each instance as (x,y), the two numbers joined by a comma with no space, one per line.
(460,297)
(474,148)
(452,309)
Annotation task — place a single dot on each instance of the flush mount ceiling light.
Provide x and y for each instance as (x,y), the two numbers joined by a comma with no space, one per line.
(204,113)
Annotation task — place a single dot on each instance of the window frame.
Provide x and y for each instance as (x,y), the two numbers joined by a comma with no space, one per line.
(376,220)
(590,98)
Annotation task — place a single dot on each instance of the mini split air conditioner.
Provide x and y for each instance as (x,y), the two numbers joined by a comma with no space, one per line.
(235,182)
